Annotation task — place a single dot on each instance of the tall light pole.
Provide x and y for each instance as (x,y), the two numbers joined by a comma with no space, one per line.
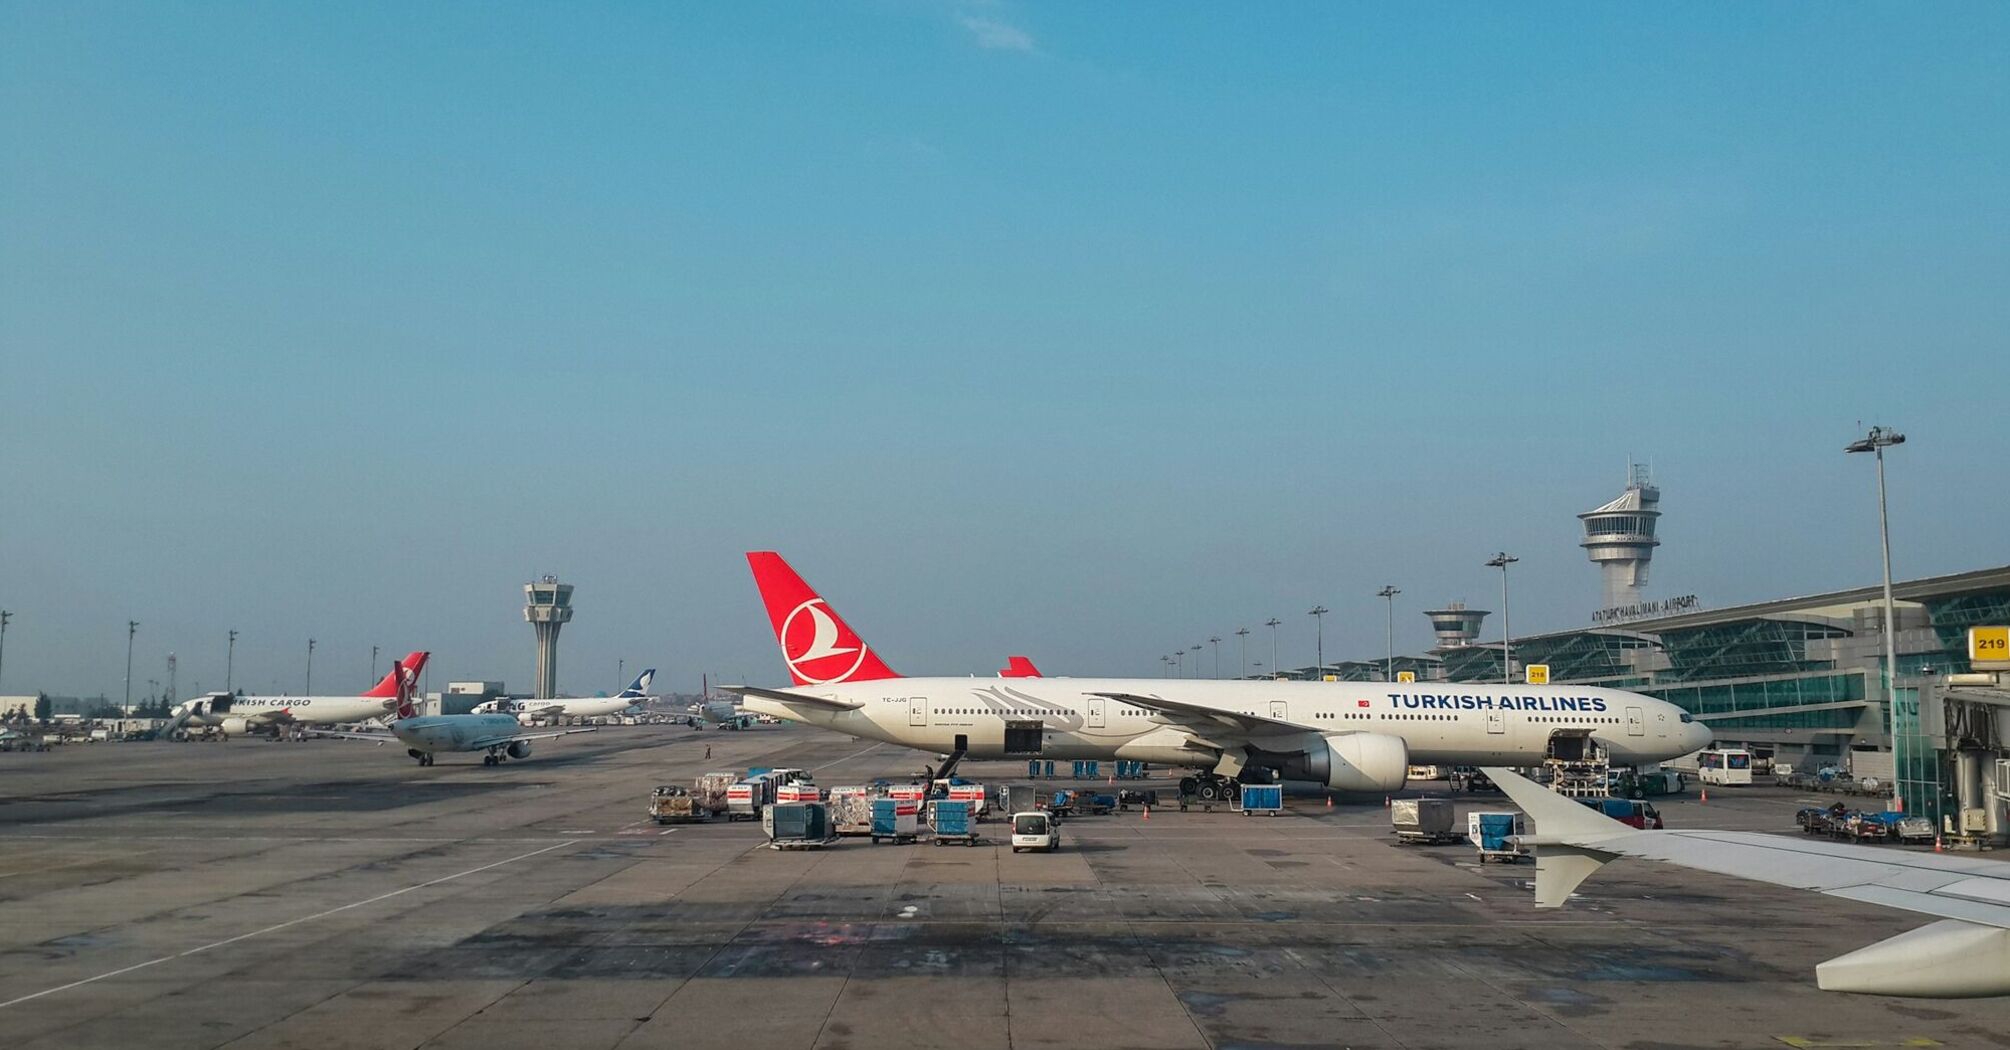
(132,628)
(172,691)
(1875,442)
(230,662)
(1179,662)
(621,669)
(1242,652)
(1196,659)
(309,691)
(1215,640)
(4,617)
(1272,624)
(373,663)
(1501,561)
(1390,592)
(1168,661)
(1318,615)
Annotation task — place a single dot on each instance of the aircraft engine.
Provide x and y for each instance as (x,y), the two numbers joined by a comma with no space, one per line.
(520,749)
(1351,762)
(235,727)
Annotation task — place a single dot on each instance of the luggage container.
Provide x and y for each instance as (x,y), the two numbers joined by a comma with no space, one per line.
(1261,798)
(975,794)
(746,800)
(851,810)
(1494,835)
(1423,821)
(953,821)
(798,791)
(798,825)
(896,820)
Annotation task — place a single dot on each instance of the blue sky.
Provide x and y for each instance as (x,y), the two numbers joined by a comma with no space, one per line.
(1083,331)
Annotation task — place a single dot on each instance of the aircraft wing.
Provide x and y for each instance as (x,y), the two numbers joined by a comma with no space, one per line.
(787,697)
(1966,954)
(511,738)
(1205,719)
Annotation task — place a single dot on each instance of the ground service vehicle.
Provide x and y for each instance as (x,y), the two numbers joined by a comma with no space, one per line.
(1729,766)
(1036,831)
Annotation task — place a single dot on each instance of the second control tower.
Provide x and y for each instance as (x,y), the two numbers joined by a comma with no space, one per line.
(547,605)
(1619,538)
(1456,625)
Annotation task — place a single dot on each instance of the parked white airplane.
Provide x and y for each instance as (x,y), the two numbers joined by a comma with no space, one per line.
(235,715)
(1350,736)
(573,706)
(1965,955)
(502,736)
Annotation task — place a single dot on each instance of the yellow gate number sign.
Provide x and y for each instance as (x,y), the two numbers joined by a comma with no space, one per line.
(1406,676)
(1989,648)
(1538,674)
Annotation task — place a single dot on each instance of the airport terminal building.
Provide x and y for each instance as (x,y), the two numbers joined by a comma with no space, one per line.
(1795,680)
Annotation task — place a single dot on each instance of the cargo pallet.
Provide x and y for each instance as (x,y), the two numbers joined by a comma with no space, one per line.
(970,839)
(1429,838)
(800,843)
(899,839)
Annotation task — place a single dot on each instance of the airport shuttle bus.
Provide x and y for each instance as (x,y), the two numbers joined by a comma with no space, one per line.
(1350,736)
(1724,765)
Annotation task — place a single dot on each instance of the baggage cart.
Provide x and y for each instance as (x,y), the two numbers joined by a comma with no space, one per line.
(953,821)
(798,825)
(1261,798)
(672,804)
(1423,821)
(851,810)
(747,799)
(710,792)
(895,820)
(1495,835)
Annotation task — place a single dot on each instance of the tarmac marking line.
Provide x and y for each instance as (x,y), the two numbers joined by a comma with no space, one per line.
(283,925)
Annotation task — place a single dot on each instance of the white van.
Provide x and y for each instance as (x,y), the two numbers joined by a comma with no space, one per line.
(1035,830)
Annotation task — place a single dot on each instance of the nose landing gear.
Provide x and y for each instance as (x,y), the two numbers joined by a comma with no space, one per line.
(425,757)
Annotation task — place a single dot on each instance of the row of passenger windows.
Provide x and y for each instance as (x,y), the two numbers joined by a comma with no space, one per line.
(1332,717)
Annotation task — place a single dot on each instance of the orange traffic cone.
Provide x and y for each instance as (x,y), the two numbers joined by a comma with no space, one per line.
(1385,802)
(1706,796)
(1329,802)
(1148,812)
(1937,848)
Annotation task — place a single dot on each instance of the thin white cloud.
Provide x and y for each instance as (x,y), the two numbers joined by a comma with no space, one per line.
(994,35)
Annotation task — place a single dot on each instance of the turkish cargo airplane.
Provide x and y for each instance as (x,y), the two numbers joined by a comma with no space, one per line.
(1350,736)
(235,715)
(424,736)
(573,706)
(1964,955)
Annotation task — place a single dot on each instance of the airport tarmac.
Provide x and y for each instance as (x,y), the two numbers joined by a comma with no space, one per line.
(332,894)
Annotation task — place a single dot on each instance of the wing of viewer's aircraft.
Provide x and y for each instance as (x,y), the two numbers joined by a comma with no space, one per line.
(1965,955)
(787,697)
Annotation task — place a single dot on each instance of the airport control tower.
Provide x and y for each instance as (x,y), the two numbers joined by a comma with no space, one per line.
(547,605)
(1619,538)
(1456,625)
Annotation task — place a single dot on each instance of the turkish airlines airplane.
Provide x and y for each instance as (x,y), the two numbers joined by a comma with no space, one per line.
(1350,736)
(235,715)
(573,706)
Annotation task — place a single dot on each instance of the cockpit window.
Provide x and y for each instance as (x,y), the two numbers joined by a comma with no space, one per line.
(1686,718)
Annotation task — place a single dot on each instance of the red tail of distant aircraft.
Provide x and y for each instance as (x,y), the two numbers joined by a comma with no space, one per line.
(1019,667)
(387,687)
(819,647)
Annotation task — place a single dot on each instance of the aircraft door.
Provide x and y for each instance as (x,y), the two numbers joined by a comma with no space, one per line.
(917,710)
(1280,710)
(1097,712)
(1496,722)
(1635,724)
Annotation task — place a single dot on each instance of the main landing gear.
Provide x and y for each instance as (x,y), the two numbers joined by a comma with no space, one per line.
(1209,787)
(494,757)
(425,757)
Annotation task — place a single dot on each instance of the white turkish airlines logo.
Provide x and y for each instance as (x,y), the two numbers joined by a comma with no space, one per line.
(823,644)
